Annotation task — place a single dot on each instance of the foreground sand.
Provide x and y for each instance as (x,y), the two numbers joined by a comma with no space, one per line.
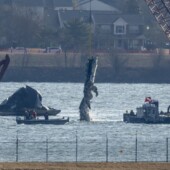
(85,166)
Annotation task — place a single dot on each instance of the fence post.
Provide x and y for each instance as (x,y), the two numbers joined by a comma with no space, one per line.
(17,141)
(107,154)
(46,150)
(167,150)
(76,147)
(136,148)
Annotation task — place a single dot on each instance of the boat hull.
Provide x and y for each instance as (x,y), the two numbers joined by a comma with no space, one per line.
(134,119)
(59,121)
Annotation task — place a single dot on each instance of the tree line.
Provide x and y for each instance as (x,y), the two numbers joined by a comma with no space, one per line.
(23,27)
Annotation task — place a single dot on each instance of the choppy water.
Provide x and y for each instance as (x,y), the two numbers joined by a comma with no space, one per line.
(107,114)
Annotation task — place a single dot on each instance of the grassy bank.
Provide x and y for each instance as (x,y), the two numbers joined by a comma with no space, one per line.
(84,166)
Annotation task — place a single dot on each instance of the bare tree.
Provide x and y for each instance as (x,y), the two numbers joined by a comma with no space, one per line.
(19,25)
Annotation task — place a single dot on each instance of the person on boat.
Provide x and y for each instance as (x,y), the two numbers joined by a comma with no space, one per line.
(34,114)
(27,115)
(46,116)
(148,99)
(132,113)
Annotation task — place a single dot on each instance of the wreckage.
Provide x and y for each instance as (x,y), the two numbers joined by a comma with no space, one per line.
(25,98)
(4,65)
(89,87)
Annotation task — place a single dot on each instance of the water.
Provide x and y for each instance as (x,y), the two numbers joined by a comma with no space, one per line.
(107,115)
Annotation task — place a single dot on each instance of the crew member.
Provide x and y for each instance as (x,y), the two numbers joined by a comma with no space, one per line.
(27,115)
(148,99)
(34,114)
(46,116)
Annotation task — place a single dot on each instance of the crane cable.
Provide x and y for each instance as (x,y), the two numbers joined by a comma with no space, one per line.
(90,35)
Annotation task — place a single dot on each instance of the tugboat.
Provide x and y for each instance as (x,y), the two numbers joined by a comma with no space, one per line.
(147,113)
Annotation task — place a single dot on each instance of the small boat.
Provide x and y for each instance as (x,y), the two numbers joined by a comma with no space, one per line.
(58,121)
(148,113)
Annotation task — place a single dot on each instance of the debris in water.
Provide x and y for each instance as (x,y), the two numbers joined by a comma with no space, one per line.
(89,87)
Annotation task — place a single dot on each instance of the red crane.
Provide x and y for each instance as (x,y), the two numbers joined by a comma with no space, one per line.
(161,11)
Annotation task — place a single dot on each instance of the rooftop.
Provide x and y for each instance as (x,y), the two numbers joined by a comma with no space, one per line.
(63,3)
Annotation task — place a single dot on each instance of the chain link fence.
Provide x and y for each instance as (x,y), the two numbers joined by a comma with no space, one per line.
(112,149)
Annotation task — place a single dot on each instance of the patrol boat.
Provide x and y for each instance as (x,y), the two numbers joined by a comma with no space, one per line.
(148,113)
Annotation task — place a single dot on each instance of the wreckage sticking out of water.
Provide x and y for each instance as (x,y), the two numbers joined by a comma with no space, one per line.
(89,87)
(25,98)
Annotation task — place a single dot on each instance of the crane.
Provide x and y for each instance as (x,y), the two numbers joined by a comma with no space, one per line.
(161,11)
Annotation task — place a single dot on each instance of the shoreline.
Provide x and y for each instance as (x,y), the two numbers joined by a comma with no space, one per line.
(85,166)
(125,68)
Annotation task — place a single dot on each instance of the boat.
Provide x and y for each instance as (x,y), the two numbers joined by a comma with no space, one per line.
(57,121)
(148,113)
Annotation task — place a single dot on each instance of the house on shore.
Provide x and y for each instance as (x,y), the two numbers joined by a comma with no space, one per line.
(95,5)
(110,26)
(63,5)
(123,32)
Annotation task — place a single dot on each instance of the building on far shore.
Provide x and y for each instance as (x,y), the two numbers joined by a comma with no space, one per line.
(125,32)
(110,25)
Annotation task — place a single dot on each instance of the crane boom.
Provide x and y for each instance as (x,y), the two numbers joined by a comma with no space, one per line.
(161,11)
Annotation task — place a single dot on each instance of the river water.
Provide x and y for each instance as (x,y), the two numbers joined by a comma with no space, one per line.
(107,115)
